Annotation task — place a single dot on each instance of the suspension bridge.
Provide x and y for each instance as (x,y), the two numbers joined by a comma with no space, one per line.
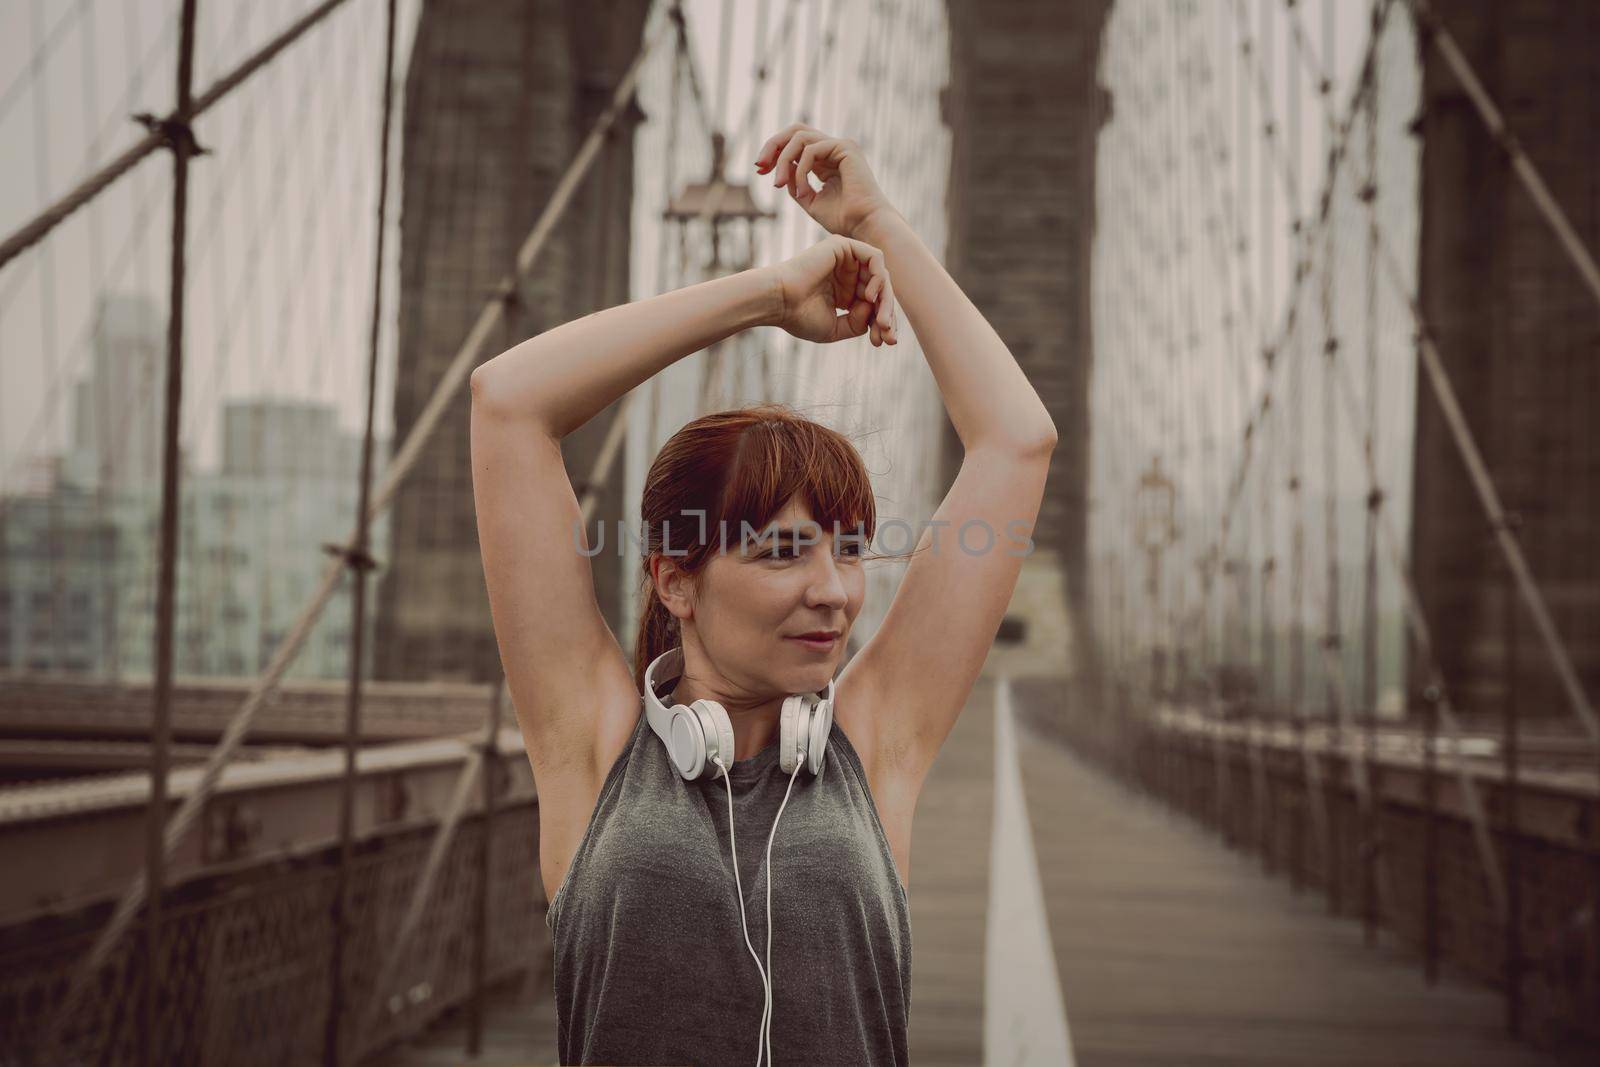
(1286,751)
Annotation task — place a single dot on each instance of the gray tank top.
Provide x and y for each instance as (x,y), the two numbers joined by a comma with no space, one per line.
(650,959)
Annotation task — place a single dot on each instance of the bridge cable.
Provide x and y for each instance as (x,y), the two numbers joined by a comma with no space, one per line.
(159,128)
(357,557)
(1470,796)
(188,811)
(1435,33)
(1483,483)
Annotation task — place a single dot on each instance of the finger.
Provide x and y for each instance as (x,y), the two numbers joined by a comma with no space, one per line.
(853,323)
(869,254)
(890,316)
(782,171)
(849,275)
(885,314)
(869,325)
(877,271)
(769,151)
(820,150)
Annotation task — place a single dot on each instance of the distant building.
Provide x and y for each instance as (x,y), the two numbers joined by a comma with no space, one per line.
(288,486)
(118,408)
(78,567)
(58,584)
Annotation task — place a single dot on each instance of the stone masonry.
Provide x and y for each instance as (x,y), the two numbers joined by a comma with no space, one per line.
(499,96)
(1025,109)
(1519,334)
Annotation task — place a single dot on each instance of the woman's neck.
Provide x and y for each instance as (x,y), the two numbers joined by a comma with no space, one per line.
(754,728)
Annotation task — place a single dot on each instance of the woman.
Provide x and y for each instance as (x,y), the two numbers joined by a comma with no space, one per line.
(647,907)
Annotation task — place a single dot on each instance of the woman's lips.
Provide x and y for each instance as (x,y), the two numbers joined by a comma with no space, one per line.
(822,645)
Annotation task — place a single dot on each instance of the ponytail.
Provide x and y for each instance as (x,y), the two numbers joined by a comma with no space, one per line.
(658,631)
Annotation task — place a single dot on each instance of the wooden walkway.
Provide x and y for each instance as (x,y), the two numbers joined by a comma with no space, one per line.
(1166,947)
(1173,949)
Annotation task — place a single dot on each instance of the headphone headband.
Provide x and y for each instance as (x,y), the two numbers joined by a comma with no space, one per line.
(671,662)
(696,733)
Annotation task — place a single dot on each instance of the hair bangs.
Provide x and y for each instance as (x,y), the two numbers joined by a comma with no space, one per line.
(782,459)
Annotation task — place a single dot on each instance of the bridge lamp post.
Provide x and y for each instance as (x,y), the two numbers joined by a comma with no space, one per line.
(1155,527)
(717,202)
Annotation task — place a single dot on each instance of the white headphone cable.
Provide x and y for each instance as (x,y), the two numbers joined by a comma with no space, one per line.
(765,986)
(767,1021)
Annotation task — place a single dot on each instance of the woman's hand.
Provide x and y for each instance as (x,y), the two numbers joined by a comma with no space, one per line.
(836,273)
(849,193)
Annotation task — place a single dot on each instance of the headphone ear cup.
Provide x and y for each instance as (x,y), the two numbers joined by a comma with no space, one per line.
(793,721)
(686,742)
(721,731)
(821,727)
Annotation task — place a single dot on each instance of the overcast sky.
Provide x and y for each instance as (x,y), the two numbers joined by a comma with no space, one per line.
(280,211)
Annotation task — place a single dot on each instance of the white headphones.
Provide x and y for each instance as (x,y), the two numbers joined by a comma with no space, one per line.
(695,734)
(700,736)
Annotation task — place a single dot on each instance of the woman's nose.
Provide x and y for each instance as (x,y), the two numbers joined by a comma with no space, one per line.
(826,584)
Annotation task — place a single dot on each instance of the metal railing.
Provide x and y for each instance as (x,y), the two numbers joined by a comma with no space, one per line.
(246,953)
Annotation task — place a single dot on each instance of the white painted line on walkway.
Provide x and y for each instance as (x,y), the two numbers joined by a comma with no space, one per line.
(1024,1020)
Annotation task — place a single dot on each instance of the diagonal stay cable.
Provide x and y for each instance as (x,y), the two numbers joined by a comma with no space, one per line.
(1472,457)
(1468,785)
(467,357)
(1262,408)
(161,131)
(1336,158)
(1339,135)
(1434,30)
(1417,623)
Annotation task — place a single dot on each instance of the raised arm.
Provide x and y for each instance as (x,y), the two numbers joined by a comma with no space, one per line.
(990,401)
(569,679)
(562,378)
(910,681)
(570,682)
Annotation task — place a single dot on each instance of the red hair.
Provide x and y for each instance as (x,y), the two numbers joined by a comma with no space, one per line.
(739,466)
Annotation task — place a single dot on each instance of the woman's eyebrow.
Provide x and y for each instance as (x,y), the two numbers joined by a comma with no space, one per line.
(781,531)
(786,533)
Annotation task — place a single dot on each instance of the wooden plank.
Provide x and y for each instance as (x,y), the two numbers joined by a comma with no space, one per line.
(519,1031)
(950,891)
(1172,949)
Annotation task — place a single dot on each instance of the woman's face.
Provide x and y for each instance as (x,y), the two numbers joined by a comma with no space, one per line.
(788,578)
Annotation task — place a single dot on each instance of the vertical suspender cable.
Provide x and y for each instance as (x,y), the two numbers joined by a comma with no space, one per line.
(485,901)
(1297,496)
(359,560)
(1332,709)
(1372,821)
(180,140)
(1267,673)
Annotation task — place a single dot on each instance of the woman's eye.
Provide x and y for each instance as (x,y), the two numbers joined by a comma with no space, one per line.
(849,548)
